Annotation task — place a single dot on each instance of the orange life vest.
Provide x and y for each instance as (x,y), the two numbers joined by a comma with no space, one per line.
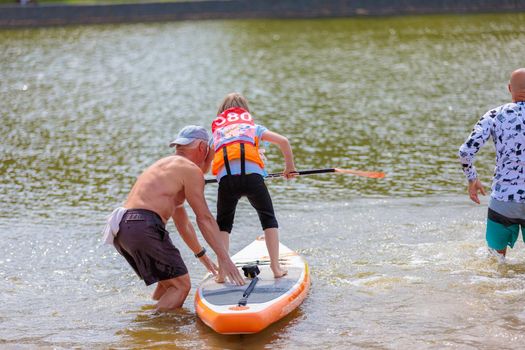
(234,137)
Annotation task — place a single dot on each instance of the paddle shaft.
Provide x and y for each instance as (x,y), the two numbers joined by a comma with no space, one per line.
(306,172)
(303,172)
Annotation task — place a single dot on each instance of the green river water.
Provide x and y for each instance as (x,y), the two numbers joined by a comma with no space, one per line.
(397,263)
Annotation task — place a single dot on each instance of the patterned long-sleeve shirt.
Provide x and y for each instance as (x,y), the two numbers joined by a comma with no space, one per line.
(506,125)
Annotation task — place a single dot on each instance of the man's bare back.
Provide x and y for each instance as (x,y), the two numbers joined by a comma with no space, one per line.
(160,188)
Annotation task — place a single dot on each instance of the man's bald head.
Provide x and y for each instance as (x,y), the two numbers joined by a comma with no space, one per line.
(517,85)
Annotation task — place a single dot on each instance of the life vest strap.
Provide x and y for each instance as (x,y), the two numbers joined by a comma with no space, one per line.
(243,160)
(226,162)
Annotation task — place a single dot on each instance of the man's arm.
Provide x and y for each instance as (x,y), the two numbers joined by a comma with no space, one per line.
(475,186)
(284,145)
(467,153)
(194,193)
(187,232)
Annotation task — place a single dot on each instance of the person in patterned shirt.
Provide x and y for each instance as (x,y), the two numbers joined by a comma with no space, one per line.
(506,125)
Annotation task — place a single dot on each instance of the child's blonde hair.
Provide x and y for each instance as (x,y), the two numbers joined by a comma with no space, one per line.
(233,99)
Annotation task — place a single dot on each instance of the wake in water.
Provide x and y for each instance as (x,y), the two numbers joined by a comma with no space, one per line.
(499,257)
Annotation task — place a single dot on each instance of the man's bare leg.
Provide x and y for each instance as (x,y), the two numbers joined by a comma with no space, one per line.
(225,239)
(176,291)
(159,291)
(271,236)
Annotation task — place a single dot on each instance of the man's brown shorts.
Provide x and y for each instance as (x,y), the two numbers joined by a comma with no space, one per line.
(145,243)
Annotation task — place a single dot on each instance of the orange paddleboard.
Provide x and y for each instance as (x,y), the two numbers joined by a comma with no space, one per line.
(220,306)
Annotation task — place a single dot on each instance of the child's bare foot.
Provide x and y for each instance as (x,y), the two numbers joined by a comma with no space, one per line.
(278,271)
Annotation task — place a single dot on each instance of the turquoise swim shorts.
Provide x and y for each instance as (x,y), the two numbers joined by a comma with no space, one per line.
(502,231)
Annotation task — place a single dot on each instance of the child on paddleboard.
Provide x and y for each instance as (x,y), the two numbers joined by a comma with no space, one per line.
(239,169)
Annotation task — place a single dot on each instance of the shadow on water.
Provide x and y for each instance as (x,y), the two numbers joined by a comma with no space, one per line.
(182,329)
(149,330)
(272,335)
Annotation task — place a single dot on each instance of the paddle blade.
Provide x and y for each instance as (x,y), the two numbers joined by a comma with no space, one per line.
(370,174)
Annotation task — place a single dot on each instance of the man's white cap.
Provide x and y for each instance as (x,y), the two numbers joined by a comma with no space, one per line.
(190,133)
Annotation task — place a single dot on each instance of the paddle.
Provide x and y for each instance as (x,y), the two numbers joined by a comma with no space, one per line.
(370,174)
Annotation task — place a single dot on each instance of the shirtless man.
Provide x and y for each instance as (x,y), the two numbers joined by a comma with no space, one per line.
(506,125)
(138,229)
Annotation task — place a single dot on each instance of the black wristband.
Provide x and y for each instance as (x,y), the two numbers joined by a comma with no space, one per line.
(201,253)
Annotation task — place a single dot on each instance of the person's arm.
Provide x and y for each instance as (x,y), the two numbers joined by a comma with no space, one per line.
(187,232)
(284,145)
(467,153)
(211,155)
(475,186)
(194,192)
